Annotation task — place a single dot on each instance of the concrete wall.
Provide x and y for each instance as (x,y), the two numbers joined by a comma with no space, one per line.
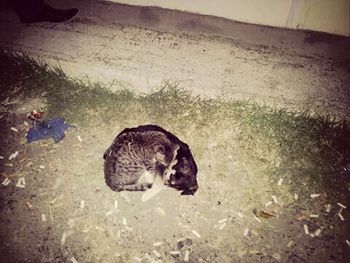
(332,16)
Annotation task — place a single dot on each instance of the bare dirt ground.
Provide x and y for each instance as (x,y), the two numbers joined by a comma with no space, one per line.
(66,212)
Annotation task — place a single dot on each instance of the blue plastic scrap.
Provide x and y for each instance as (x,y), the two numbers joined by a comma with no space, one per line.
(46,129)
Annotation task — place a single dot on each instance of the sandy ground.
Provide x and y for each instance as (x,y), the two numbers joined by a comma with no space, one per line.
(66,212)
(142,46)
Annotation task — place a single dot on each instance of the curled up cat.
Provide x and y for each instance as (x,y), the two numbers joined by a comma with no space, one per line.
(149,157)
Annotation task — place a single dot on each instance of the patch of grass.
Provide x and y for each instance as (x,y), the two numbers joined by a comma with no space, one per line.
(298,146)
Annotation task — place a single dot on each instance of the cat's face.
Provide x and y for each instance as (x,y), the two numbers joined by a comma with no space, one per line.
(185,176)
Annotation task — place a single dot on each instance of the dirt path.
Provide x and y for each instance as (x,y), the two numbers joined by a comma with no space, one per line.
(142,47)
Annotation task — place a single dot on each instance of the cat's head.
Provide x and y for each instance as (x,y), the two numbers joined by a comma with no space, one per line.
(185,176)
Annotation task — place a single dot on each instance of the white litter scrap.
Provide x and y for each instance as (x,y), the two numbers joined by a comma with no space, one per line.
(280,181)
(341,217)
(43,217)
(296,197)
(42,166)
(246,232)
(268,203)
(157,244)
(257,219)
(306,229)
(160,211)
(125,223)
(6,182)
(175,253)
(14,155)
(290,243)
(341,205)
(137,259)
(274,199)
(314,195)
(14,129)
(115,203)
(79,138)
(222,221)
(2,157)
(108,213)
(73,260)
(328,208)
(194,232)
(318,232)
(314,216)
(156,253)
(187,256)
(21,183)
(221,227)
(82,204)
(25,123)
(240,214)
(347,242)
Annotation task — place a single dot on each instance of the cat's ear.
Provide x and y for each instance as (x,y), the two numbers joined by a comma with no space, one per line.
(191,190)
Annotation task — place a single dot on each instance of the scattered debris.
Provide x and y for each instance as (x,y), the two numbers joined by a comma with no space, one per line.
(29,204)
(125,223)
(21,183)
(115,203)
(160,211)
(194,232)
(65,235)
(276,256)
(274,199)
(14,155)
(42,167)
(341,217)
(246,232)
(2,157)
(108,213)
(156,253)
(257,219)
(296,197)
(43,217)
(187,256)
(125,196)
(14,129)
(328,208)
(314,195)
(157,244)
(79,138)
(221,227)
(290,243)
(280,181)
(347,242)
(318,232)
(175,253)
(306,229)
(314,215)
(240,214)
(137,259)
(82,204)
(222,220)
(6,182)
(268,203)
(73,260)
(341,205)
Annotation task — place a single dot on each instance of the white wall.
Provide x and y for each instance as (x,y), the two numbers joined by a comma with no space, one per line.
(331,16)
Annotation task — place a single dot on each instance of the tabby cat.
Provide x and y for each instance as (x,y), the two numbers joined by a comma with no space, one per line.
(141,157)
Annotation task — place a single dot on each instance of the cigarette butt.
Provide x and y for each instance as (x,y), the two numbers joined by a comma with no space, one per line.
(290,243)
(82,204)
(347,242)
(14,155)
(306,229)
(328,208)
(14,129)
(79,138)
(257,219)
(274,199)
(43,217)
(296,197)
(196,233)
(314,216)
(29,205)
(109,213)
(187,256)
(341,217)
(268,203)
(6,182)
(73,260)
(222,220)
(156,253)
(246,232)
(240,214)
(157,244)
(318,232)
(115,203)
(314,195)
(341,205)
(174,253)
(42,166)
(280,181)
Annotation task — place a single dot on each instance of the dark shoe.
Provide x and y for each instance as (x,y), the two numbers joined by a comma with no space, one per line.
(50,15)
